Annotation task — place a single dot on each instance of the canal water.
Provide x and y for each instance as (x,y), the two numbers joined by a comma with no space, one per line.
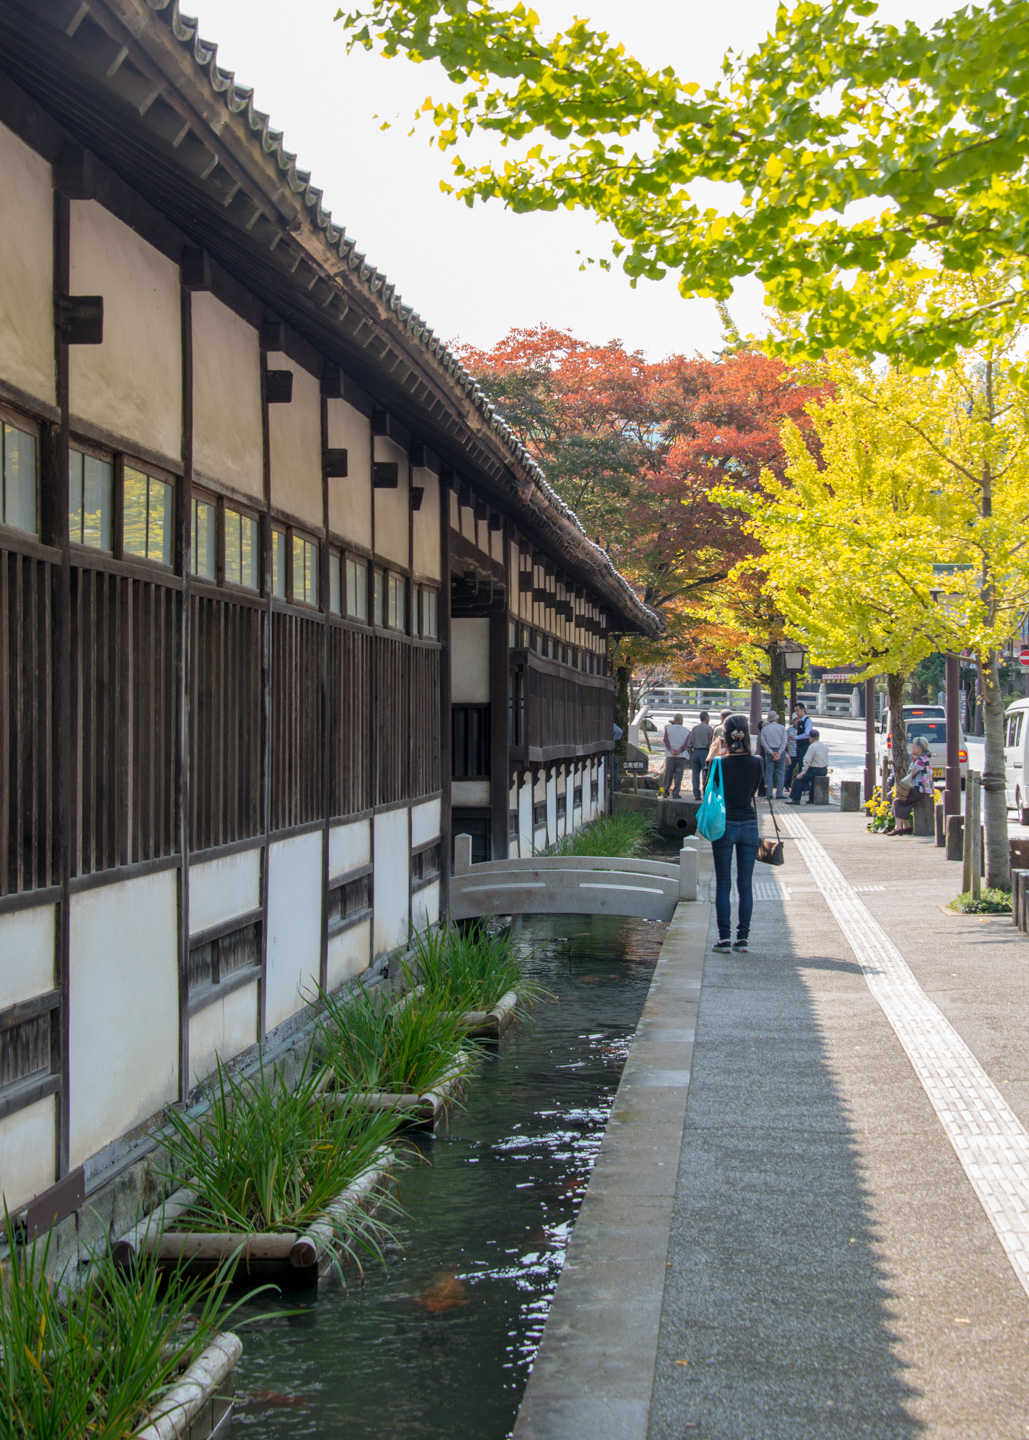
(438,1344)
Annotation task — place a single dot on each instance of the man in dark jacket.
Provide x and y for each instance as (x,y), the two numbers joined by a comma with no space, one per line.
(697,745)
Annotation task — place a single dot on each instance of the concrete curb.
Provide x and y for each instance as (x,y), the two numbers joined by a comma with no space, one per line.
(594,1371)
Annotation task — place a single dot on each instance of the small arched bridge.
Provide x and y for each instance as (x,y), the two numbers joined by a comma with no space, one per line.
(570,885)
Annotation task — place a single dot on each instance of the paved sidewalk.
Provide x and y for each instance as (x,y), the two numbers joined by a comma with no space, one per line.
(833,1273)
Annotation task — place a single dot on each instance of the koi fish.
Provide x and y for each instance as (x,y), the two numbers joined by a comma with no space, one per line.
(446,1292)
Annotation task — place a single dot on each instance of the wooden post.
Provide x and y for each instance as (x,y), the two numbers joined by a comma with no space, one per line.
(976,839)
(952,774)
(869,738)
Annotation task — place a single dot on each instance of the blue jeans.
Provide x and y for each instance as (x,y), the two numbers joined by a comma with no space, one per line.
(776,768)
(741,836)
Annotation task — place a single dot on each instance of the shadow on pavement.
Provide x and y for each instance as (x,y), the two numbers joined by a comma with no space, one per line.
(776,1298)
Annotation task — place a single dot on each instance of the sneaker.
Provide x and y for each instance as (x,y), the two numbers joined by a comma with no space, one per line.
(740,947)
(722,946)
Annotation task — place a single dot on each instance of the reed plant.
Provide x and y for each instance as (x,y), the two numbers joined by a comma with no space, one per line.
(371,1042)
(627,836)
(95,1360)
(268,1156)
(469,970)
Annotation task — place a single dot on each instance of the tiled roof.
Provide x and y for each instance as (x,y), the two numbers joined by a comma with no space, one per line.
(239,100)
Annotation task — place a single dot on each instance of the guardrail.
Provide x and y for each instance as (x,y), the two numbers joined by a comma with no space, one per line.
(570,885)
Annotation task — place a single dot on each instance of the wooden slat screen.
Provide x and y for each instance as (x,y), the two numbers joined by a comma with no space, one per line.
(425,721)
(125,718)
(27,847)
(350,752)
(296,719)
(567,711)
(391,718)
(225,802)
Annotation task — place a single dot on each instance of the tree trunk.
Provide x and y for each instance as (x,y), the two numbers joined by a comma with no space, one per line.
(777,682)
(898,732)
(995,805)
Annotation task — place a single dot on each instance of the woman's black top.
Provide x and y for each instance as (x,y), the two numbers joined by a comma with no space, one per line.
(741,775)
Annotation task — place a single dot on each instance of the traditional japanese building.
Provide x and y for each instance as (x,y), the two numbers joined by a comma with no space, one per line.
(283,603)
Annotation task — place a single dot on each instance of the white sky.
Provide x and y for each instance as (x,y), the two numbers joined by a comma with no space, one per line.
(475,273)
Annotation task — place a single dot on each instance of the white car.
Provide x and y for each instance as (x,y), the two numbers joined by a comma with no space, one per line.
(929,723)
(1016,758)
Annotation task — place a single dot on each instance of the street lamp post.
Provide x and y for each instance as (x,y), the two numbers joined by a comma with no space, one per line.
(793,658)
(952,774)
(869,739)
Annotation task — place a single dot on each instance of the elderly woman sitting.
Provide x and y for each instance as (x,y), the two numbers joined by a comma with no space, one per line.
(919,779)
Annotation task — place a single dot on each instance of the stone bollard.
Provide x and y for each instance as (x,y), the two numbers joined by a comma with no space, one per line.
(462,854)
(820,790)
(850,794)
(1018,878)
(688,872)
(923,821)
(955,837)
(941,837)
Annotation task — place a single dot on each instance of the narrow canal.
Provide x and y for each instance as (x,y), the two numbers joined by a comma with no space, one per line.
(438,1345)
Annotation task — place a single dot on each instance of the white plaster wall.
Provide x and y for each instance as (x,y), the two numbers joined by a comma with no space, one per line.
(470,792)
(425,822)
(295,446)
(391,880)
(26,269)
(350,952)
(26,954)
(220,889)
(349,846)
(602,788)
(226,396)
(525,816)
(294,924)
(455,512)
(221,1030)
(27,1151)
(426,524)
(124,1023)
(469,661)
(132,383)
(392,507)
(551,809)
(425,907)
(350,500)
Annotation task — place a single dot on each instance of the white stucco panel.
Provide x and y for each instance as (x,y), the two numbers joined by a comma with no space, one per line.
(391,880)
(124,1029)
(350,499)
(222,1030)
(27,1153)
(226,396)
(425,907)
(425,821)
(470,792)
(469,661)
(295,446)
(294,924)
(220,889)
(392,507)
(132,383)
(26,954)
(350,952)
(425,546)
(26,269)
(350,846)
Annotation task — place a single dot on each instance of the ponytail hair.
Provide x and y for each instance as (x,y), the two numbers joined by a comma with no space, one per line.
(737,735)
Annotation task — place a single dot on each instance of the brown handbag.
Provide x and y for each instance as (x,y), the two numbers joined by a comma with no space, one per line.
(902,790)
(770,852)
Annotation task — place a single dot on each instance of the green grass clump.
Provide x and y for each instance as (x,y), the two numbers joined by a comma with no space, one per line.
(472,970)
(627,835)
(371,1042)
(94,1361)
(990,902)
(270,1157)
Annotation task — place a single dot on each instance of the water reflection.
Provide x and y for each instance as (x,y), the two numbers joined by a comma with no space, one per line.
(440,1344)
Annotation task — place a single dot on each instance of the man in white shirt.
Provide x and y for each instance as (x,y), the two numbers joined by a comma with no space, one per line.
(674,742)
(773,743)
(816,762)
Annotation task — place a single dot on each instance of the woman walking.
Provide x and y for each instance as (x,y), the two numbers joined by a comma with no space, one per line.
(741,775)
(920,780)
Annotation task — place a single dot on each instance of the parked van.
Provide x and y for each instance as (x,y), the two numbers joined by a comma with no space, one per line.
(1016,759)
(929,723)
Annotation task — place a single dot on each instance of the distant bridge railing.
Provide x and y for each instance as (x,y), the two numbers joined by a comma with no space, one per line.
(570,885)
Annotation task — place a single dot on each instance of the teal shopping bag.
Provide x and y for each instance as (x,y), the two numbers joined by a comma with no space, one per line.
(711,815)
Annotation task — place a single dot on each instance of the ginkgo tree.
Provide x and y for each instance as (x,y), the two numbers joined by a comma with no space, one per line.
(915,476)
(845,146)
